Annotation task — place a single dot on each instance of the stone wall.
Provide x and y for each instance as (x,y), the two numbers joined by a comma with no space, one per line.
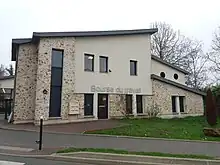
(25,84)
(162,93)
(78,101)
(117,105)
(44,74)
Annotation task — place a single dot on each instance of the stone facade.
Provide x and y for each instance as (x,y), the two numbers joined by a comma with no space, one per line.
(25,89)
(162,93)
(117,105)
(44,74)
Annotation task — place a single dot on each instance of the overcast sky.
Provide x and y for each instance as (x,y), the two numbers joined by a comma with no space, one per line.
(19,18)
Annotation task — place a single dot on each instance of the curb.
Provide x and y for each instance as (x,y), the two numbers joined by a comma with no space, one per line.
(63,157)
(114,136)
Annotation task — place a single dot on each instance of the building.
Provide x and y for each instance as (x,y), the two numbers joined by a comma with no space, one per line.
(6,86)
(80,76)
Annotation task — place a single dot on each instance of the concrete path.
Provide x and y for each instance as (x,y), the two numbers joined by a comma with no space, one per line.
(50,141)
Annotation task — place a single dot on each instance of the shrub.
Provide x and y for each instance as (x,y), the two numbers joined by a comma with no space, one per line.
(211,115)
(153,110)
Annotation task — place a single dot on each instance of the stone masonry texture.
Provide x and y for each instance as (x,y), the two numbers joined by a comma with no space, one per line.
(44,74)
(117,105)
(24,105)
(162,93)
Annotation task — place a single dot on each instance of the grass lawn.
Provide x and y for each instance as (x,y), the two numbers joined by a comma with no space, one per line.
(68,150)
(182,128)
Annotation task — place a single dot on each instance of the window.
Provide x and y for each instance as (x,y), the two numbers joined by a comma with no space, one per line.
(133,67)
(162,74)
(103,64)
(139,103)
(56,82)
(173,104)
(88,62)
(88,104)
(128,104)
(175,76)
(182,98)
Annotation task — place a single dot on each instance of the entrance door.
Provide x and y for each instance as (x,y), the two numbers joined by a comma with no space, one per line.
(102,106)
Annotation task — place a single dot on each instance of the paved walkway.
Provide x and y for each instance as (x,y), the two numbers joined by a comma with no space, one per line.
(54,141)
(79,127)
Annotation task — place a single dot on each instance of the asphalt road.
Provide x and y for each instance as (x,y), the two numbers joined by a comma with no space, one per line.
(27,139)
(34,161)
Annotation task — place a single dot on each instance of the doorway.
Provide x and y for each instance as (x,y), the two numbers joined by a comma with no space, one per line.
(128,104)
(102,106)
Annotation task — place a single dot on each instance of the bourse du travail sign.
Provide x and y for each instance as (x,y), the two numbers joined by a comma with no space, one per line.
(95,88)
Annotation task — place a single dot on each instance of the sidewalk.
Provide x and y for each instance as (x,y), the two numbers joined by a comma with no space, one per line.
(70,128)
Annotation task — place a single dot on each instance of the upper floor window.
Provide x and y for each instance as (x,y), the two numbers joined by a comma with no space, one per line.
(133,67)
(103,64)
(175,76)
(88,62)
(162,74)
(57,58)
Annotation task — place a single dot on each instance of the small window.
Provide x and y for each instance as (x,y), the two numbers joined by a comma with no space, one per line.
(162,74)
(175,76)
(133,67)
(103,64)
(88,62)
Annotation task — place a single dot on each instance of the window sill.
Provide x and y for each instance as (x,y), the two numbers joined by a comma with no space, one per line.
(104,72)
(55,118)
(141,114)
(133,75)
(90,116)
(89,70)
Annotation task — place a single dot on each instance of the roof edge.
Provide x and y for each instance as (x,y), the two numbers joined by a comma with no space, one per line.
(7,77)
(178,85)
(95,33)
(169,64)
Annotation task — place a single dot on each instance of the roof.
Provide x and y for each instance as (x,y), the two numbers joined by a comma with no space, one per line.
(37,35)
(7,77)
(168,64)
(178,85)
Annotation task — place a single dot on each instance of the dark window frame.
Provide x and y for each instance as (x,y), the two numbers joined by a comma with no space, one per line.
(134,72)
(106,60)
(176,76)
(162,74)
(139,105)
(93,62)
(55,86)
(85,106)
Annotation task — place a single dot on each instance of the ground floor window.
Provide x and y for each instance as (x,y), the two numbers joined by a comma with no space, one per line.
(139,103)
(129,104)
(178,107)
(88,104)
(182,98)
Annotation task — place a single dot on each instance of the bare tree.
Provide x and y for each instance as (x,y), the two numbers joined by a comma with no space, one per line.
(181,51)
(215,54)
(2,71)
(10,70)
(197,63)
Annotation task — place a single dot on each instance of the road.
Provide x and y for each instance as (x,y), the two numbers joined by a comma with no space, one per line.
(33,161)
(27,139)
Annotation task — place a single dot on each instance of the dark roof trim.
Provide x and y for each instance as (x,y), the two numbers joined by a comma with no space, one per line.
(36,36)
(153,76)
(7,77)
(168,64)
(15,44)
(95,33)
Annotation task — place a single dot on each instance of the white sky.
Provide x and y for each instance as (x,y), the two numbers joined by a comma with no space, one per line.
(19,18)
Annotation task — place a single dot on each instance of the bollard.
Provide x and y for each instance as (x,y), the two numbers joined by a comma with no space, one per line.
(41,133)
